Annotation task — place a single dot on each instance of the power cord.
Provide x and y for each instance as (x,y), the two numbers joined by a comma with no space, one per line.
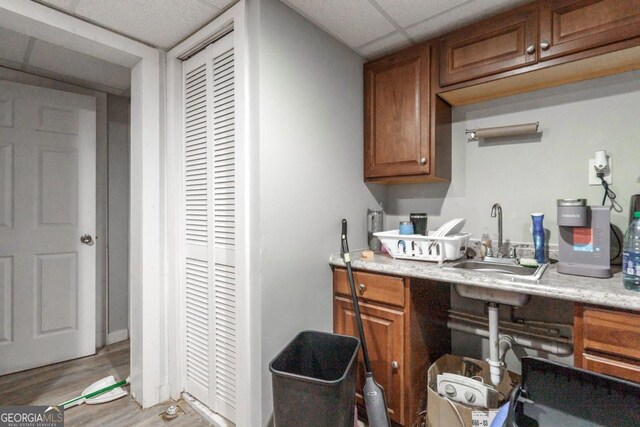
(611,195)
(456,410)
(608,193)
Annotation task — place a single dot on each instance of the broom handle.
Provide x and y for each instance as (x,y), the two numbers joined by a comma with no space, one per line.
(347,261)
(95,393)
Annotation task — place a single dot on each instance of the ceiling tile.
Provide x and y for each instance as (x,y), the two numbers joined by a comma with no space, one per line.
(161,23)
(354,22)
(61,4)
(70,63)
(460,16)
(409,12)
(384,45)
(220,4)
(13,45)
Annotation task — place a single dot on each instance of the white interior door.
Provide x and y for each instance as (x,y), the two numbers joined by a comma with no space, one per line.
(210,296)
(47,202)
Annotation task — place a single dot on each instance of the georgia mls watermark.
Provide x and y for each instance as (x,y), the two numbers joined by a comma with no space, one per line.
(31,416)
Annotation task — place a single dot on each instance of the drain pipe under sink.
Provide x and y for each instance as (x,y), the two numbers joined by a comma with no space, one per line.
(498,352)
(495,365)
(552,347)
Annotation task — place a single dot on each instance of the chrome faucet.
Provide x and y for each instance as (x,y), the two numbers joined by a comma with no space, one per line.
(496,209)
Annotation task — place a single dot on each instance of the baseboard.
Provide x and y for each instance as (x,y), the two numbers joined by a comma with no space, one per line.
(215,419)
(117,336)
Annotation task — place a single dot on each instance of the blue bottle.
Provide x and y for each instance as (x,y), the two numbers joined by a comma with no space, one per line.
(538,236)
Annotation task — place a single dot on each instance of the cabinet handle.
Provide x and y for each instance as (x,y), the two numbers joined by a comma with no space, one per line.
(531,49)
(362,287)
(544,45)
(423,161)
(395,365)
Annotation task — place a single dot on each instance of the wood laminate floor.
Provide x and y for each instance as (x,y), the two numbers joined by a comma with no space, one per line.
(53,384)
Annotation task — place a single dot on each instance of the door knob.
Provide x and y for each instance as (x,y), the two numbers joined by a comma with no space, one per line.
(531,49)
(544,44)
(86,239)
(423,161)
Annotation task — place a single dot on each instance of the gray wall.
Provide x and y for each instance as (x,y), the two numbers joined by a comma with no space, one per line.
(118,113)
(311,156)
(528,174)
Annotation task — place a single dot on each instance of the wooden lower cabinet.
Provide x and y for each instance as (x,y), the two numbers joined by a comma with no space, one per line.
(405,325)
(386,325)
(607,341)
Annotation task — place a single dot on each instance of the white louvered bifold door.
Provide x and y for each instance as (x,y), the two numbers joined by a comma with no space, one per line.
(210,198)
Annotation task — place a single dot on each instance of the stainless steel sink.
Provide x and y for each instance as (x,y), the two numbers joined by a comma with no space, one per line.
(514,299)
(526,273)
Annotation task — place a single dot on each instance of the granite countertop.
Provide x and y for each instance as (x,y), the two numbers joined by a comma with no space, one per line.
(604,292)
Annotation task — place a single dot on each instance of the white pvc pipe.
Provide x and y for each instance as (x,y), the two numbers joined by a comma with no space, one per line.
(494,347)
(558,348)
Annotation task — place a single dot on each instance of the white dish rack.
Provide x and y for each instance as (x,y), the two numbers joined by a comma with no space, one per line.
(424,248)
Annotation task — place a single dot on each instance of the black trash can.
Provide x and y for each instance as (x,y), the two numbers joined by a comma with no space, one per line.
(314,381)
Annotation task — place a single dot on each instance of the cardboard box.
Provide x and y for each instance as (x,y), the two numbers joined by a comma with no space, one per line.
(439,410)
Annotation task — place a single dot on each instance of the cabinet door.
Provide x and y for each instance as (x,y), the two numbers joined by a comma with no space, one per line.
(383,329)
(396,98)
(569,26)
(607,341)
(494,45)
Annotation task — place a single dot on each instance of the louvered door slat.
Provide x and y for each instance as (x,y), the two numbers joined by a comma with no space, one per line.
(196,162)
(210,227)
(224,190)
(197,295)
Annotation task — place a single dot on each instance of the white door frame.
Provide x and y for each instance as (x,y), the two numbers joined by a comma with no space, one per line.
(149,370)
(249,374)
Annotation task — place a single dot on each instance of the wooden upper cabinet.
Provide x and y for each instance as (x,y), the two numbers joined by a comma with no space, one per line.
(397,114)
(497,44)
(570,26)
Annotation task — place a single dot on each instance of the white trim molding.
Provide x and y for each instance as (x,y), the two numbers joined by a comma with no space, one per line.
(248,374)
(117,336)
(147,304)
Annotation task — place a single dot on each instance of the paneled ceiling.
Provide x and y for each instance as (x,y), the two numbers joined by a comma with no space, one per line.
(35,56)
(370,27)
(158,23)
(375,27)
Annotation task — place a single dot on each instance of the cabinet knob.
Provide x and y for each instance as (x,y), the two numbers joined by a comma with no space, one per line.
(531,49)
(544,44)
(423,161)
(362,287)
(395,365)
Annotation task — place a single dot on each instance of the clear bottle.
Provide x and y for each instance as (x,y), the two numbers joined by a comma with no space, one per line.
(631,255)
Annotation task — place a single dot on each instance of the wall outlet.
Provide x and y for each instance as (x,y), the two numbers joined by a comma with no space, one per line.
(593,178)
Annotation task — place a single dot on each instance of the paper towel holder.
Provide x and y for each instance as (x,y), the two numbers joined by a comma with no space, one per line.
(511,130)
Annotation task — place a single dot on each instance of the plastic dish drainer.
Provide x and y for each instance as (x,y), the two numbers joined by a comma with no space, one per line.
(424,248)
